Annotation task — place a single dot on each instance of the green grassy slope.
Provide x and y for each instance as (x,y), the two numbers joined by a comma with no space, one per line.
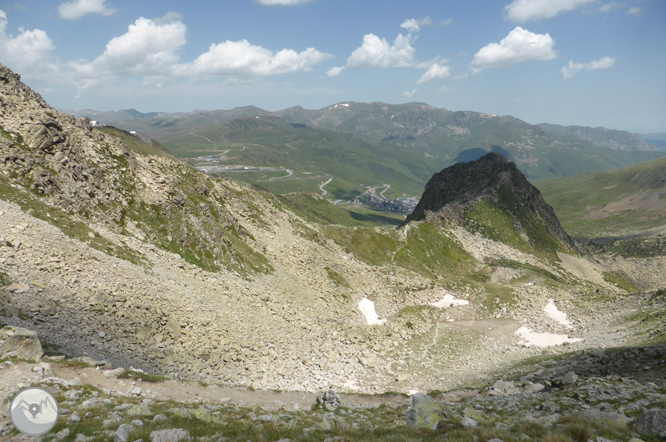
(314,155)
(614,202)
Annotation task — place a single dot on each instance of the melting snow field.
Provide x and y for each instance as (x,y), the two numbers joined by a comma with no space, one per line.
(367,307)
(557,315)
(543,339)
(448,301)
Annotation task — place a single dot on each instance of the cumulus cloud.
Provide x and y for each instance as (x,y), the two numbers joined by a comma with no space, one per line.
(522,11)
(376,52)
(635,11)
(608,7)
(149,47)
(76,9)
(241,59)
(573,68)
(447,22)
(282,2)
(519,46)
(26,51)
(410,94)
(414,25)
(334,72)
(435,72)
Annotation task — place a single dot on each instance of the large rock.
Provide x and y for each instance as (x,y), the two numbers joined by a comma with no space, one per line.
(652,422)
(453,192)
(175,435)
(20,343)
(425,412)
(123,433)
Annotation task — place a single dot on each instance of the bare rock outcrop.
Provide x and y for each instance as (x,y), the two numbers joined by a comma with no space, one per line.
(451,193)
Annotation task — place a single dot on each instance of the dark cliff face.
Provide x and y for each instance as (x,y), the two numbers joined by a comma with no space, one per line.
(452,192)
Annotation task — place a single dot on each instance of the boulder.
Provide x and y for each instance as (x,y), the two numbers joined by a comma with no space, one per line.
(123,433)
(329,400)
(425,412)
(173,435)
(652,422)
(20,343)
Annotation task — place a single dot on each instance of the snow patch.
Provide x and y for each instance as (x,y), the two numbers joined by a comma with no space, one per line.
(448,301)
(555,314)
(367,307)
(542,339)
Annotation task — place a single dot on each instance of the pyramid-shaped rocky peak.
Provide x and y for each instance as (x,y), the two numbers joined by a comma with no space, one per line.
(451,194)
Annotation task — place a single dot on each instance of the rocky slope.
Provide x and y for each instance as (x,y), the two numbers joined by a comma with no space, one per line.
(453,195)
(122,252)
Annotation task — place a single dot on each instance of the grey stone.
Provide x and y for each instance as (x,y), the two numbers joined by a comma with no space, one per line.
(159,418)
(425,412)
(495,440)
(139,410)
(469,423)
(123,433)
(137,423)
(173,435)
(569,378)
(74,418)
(652,422)
(110,423)
(20,343)
(92,402)
(63,434)
(600,416)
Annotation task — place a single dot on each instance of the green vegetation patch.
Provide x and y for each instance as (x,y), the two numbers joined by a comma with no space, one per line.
(619,279)
(316,209)
(140,376)
(337,278)
(497,223)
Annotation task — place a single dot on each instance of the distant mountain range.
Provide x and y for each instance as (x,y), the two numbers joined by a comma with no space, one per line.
(108,117)
(431,139)
(657,139)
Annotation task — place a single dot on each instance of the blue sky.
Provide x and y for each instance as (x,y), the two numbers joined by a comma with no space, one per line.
(584,62)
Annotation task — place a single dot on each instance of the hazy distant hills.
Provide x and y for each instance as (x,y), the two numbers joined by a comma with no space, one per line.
(438,138)
(602,137)
(657,139)
(122,115)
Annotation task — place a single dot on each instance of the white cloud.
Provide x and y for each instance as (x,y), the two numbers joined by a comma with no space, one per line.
(282,2)
(149,47)
(241,59)
(410,94)
(435,72)
(573,68)
(76,9)
(27,51)
(446,90)
(414,25)
(334,72)
(519,46)
(376,52)
(608,7)
(533,10)
(447,22)
(635,11)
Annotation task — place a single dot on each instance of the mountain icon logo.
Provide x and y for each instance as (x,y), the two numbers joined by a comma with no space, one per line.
(34,411)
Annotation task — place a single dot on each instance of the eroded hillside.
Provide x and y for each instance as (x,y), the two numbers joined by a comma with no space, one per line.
(128,254)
